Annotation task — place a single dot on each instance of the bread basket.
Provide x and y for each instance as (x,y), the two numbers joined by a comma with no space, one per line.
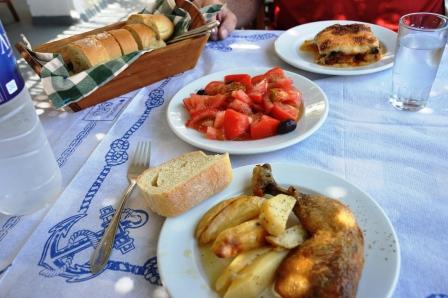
(147,69)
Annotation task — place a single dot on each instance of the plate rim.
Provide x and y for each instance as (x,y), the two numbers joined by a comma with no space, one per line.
(342,71)
(220,196)
(206,145)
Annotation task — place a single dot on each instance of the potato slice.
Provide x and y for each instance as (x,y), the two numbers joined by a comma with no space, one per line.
(210,214)
(252,280)
(237,264)
(243,237)
(240,210)
(275,212)
(290,238)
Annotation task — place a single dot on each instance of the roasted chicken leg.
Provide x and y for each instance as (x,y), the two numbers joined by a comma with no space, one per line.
(330,262)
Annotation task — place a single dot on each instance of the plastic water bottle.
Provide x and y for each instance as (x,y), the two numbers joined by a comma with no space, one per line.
(30,178)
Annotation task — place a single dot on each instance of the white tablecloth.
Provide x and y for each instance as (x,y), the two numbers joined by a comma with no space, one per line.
(399,158)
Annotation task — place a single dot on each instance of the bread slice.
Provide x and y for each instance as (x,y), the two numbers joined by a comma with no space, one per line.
(159,23)
(125,40)
(179,184)
(86,53)
(144,36)
(111,45)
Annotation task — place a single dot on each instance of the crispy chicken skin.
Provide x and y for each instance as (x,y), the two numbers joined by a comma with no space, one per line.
(330,262)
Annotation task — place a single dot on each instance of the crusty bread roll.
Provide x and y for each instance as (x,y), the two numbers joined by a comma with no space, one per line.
(179,184)
(86,53)
(110,44)
(125,40)
(159,23)
(144,36)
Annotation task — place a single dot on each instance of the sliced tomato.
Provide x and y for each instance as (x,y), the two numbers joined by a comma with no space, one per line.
(240,106)
(202,119)
(234,86)
(256,79)
(294,97)
(267,104)
(197,102)
(214,133)
(239,78)
(256,97)
(278,95)
(219,119)
(257,107)
(235,124)
(287,96)
(261,86)
(283,83)
(274,74)
(284,112)
(264,127)
(241,95)
(215,87)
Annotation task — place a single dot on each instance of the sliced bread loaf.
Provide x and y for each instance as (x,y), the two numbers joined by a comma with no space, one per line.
(110,44)
(144,36)
(86,53)
(125,40)
(160,24)
(179,184)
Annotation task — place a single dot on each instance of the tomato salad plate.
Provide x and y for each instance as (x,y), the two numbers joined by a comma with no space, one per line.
(247,110)
(287,46)
(180,258)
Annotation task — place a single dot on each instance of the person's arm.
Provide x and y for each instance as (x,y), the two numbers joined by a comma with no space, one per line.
(234,14)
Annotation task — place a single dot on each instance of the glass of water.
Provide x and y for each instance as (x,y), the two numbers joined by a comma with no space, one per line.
(421,40)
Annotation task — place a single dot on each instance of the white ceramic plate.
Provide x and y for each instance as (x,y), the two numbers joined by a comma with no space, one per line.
(314,99)
(179,260)
(288,44)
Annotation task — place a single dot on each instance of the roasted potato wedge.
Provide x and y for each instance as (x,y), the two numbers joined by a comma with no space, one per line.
(241,261)
(240,210)
(258,275)
(275,213)
(290,238)
(210,214)
(243,237)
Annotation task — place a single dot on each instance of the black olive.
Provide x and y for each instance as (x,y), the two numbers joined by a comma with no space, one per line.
(286,126)
(200,92)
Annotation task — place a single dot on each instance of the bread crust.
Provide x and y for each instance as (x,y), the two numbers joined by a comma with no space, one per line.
(160,24)
(86,53)
(188,194)
(110,44)
(143,35)
(125,40)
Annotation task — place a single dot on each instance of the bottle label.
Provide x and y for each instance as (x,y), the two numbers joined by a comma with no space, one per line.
(11,82)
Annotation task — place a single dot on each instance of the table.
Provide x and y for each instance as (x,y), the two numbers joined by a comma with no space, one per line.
(399,158)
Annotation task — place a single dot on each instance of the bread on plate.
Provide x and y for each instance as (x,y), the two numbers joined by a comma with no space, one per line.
(181,183)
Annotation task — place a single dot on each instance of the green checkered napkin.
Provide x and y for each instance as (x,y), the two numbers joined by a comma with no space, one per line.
(63,88)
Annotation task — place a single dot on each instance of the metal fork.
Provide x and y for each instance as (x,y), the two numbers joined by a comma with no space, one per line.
(140,162)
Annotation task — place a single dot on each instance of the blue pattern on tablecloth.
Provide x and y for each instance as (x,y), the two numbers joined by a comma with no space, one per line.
(58,259)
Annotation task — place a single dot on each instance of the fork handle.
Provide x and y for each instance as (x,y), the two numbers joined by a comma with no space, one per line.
(102,251)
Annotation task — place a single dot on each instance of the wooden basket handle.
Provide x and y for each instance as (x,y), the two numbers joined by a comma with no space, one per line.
(196,17)
(29,57)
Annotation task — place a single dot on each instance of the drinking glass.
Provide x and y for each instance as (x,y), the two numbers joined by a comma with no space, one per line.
(421,40)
